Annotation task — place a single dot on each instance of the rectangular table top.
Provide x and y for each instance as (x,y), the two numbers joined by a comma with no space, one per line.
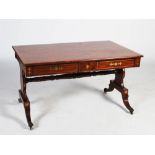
(72,52)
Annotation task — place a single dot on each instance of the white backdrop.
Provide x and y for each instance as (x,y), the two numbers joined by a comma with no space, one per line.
(138,35)
(72,110)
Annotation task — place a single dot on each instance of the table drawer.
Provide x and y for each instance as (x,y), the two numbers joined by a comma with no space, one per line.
(112,64)
(87,66)
(51,69)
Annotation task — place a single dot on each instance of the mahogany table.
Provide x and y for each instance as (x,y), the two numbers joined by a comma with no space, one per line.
(74,60)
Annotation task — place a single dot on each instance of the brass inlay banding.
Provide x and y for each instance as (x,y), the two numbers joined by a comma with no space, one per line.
(115,63)
(56,68)
(29,70)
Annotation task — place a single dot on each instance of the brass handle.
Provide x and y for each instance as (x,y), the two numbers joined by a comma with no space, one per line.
(87,66)
(56,68)
(115,63)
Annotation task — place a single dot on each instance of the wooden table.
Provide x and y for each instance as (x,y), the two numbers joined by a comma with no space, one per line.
(74,60)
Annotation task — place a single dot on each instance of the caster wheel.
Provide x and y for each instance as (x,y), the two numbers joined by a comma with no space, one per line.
(131,111)
(31,125)
(105,90)
(19,100)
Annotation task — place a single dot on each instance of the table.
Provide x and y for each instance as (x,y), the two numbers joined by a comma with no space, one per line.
(74,60)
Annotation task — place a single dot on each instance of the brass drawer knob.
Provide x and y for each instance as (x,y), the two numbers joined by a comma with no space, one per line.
(87,66)
(115,63)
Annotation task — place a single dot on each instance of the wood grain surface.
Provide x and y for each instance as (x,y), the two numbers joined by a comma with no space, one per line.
(72,52)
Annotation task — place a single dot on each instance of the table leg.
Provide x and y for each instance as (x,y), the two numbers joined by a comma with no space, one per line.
(23,98)
(118,84)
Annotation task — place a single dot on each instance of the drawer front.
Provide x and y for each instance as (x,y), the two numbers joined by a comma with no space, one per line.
(87,66)
(112,64)
(51,69)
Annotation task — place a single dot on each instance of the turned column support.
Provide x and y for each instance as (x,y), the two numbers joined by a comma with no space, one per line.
(24,99)
(118,84)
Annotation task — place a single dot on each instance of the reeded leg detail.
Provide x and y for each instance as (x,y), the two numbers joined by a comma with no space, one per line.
(23,98)
(125,100)
(117,83)
(26,104)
